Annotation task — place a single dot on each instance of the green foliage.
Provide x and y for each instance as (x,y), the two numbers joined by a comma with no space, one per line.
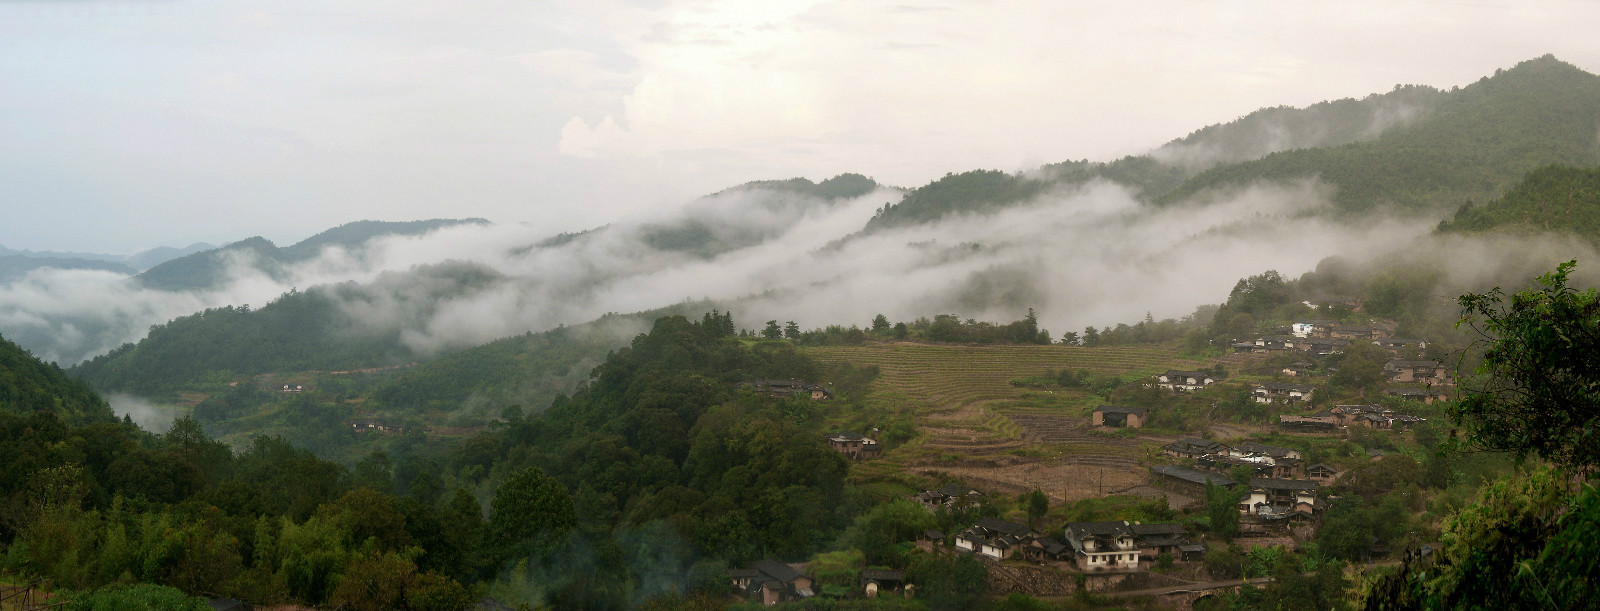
(1474,145)
(1554,197)
(1222,507)
(948,581)
(29,385)
(1538,389)
(136,597)
(530,515)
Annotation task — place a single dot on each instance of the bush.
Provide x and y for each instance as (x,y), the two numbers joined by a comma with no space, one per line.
(136,597)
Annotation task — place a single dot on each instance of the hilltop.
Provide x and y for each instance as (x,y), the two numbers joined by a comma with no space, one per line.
(28,385)
(208,268)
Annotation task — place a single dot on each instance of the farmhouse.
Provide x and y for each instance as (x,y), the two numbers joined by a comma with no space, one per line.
(1309,424)
(791,387)
(1269,392)
(1192,447)
(853,445)
(771,582)
(1103,546)
(995,538)
(1418,394)
(1106,415)
(1280,496)
(1394,344)
(874,581)
(1412,372)
(1153,540)
(1189,480)
(1357,332)
(1185,381)
(946,496)
(1322,473)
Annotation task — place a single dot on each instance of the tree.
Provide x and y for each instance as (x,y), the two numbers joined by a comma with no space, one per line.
(1538,389)
(1069,338)
(773,331)
(531,513)
(1222,507)
(880,324)
(1038,505)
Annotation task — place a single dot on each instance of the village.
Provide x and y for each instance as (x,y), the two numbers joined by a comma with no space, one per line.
(1282,494)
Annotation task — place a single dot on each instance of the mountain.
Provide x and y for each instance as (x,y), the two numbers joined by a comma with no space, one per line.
(209,268)
(1415,148)
(29,385)
(1475,144)
(1555,197)
(14,267)
(325,327)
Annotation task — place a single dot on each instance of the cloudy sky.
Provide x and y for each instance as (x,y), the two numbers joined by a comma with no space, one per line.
(128,125)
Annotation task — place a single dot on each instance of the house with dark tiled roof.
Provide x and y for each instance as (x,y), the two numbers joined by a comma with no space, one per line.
(1309,424)
(1185,381)
(771,582)
(995,538)
(791,387)
(876,581)
(1108,415)
(1103,546)
(1425,395)
(853,445)
(1322,474)
(1280,496)
(1416,372)
(1268,392)
(1189,480)
(1394,344)
(1153,540)
(947,495)
(1192,447)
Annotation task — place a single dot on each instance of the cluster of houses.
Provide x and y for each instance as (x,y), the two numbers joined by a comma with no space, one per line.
(1090,546)
(367,426)
(1185,381)
(1344,416)
(789,388)
(1283,486)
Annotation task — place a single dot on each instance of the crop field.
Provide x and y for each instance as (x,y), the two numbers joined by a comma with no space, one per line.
(940,377)
(974,425)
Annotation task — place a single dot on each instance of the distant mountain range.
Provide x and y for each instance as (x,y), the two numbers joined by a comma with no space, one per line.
(1413,151)
(208,268)
(16,263)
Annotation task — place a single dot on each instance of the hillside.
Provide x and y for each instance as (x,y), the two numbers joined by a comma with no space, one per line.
(1479,142)
(14,267)
(29,385)
(301,330)
(208,268)
(1414,148)
(1556,197)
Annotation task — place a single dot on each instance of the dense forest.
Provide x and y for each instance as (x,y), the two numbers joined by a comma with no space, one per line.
(1557,198)
(28,385)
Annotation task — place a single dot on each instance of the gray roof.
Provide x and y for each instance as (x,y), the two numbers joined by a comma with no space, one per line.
(1162,528)
(1109,409)
(1108,529)
(776,570)
(1261,448)
(1001,526)
(1284,484)
(1285,386)
(1192,475)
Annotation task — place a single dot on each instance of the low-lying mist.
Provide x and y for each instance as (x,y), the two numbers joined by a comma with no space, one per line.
(1091,255)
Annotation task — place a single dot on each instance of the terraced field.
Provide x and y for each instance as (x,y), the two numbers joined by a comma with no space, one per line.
(942,377)
(977,427)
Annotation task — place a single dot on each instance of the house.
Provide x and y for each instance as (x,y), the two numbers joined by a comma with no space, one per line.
(1315,328)
(853,446)
(1260,449)
(1416,372)
(365,426)
(1269,392)
(1103,546)
(1308,424)
(1280,496)
(294,388)
(1321,347)
(1322,473)
(995,538)
(1297,369)
(1358,332)
(1352,414)
(1042,549)
(791,387)
(874,581)
(1394,344)
(946,496)
(1418,394)
(1189,480)
(1272,460)
(771,582)
(1272,343)
(1192,447)
(1106,415)
(1185,381)
(1153,540)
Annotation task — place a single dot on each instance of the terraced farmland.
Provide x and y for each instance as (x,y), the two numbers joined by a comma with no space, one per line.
(941,377)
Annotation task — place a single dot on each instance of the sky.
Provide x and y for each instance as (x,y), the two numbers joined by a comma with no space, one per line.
(135,124)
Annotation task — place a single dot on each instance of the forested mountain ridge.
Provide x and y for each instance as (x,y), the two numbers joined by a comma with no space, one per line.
(1478,142)
(1555,198)
(207,268)
(1413,148)
(28,385)
(300,330)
